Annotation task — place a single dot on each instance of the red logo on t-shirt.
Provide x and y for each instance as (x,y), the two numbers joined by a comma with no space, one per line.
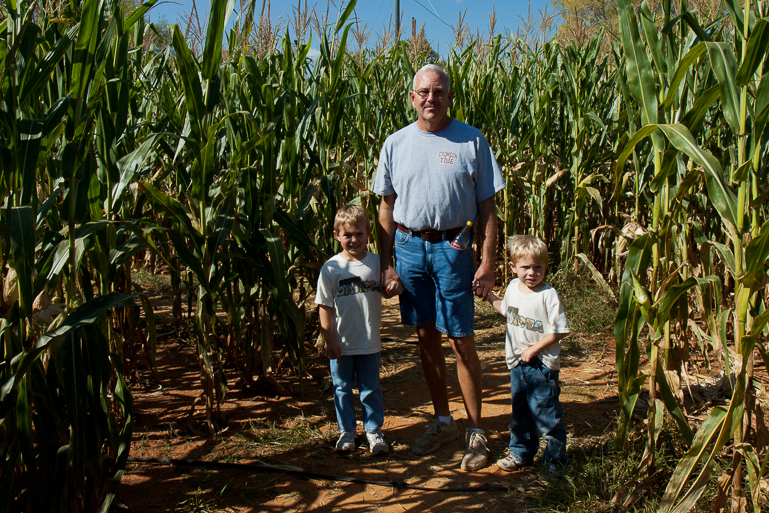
(447,158)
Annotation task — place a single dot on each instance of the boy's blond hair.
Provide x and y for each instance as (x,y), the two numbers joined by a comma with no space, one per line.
(522,246)
(351,214)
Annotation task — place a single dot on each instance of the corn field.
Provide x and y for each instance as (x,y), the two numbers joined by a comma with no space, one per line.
(645,161)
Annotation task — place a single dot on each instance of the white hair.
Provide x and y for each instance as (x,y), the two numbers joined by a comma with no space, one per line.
(435,69)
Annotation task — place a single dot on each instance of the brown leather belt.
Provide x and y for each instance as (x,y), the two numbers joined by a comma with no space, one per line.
(431,235)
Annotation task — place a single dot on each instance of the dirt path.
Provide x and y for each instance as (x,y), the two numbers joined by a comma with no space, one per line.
(299,431)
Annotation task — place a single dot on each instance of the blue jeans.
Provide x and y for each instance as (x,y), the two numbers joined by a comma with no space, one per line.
(344,371)
(438,279)
(536,411)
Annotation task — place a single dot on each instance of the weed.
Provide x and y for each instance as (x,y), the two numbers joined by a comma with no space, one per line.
(598,475)
(197,503)
(268,438)
(148,281)
(287,438)
(589,308)
(486,316)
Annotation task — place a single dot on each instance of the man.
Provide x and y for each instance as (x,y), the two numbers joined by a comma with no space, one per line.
(435,175)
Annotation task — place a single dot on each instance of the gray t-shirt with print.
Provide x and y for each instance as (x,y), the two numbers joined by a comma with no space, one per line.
(351,288)
(439,177)
(531,316)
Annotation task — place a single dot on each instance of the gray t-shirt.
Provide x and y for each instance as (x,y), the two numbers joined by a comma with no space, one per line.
(352,289)
(439,177)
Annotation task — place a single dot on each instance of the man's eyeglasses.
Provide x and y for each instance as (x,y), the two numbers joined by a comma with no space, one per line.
(424,93)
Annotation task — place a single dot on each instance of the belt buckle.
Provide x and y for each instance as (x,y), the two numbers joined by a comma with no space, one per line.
(432,235)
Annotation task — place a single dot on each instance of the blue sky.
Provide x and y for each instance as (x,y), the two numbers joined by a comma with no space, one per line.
(436,15)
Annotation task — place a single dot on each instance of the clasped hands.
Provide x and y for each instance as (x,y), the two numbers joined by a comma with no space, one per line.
(483,283)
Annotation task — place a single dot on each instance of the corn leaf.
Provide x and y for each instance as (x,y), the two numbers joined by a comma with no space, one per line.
(695,117)
(138,14)
(683,69)
(193,92)
(22,239)
(674,499)
(129,166)
(737,13)
(86,314)
(756,253)
(652,40)
(756,53)
(640,79)
(721,196)
(345,16)
(85,47)
(724,65)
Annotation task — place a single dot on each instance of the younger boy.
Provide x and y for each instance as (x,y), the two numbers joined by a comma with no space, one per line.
(536,323)
(350,312)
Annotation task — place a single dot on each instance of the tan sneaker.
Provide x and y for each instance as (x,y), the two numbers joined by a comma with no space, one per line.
(475,454)
(437,434)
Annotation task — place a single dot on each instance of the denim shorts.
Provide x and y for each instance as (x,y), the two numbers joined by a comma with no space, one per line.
(438,280)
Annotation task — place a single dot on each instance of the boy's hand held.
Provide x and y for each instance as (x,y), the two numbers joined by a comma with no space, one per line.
(333,350)
(393,288)
(391,283)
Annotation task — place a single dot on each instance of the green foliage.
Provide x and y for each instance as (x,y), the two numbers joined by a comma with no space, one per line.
(66,417)
(646,165)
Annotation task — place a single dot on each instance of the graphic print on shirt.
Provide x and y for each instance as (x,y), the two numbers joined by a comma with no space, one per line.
(355,285)
(447,158)
(523,322)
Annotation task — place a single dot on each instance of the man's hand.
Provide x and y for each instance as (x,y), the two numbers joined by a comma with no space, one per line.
(333,350)
(529,354)
(487,224)
(391,283)
(483,283)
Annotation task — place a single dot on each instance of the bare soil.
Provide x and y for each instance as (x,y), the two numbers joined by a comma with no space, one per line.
(299,431)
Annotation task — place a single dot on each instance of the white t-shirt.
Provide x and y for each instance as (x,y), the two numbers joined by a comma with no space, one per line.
(352,289)
(439,177)
(529,318)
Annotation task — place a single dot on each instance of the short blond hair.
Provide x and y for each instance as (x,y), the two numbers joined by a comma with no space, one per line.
(353,215)
(522,246)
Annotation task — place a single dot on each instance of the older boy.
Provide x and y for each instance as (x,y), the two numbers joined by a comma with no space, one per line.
(350,312)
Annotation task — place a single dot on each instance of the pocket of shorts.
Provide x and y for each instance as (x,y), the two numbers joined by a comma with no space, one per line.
(401,237)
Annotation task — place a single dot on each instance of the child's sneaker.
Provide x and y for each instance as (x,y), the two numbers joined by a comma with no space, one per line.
(346,442)
(553,469)
(437,434)
(376,443)
(475,455)
(509,464)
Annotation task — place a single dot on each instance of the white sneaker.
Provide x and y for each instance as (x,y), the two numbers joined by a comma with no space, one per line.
(346,442)
(376,442)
